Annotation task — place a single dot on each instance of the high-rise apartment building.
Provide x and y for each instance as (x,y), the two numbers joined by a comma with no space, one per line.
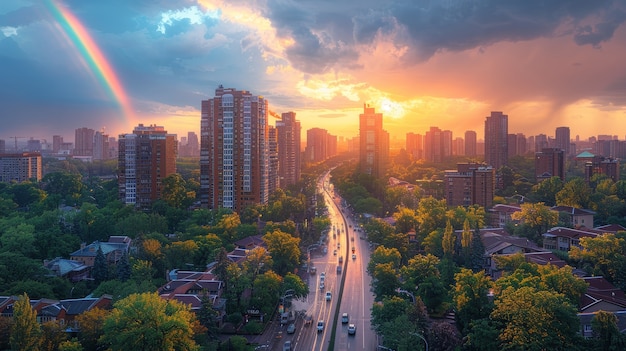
(373,143)
(20,167)
(433,145)
(521,144)
(470,143)
(289,159)
(145,158)
(470,184)
(100,146)
(273,181)
(234,150)
(317,145)
(550,162)
(562,140)
(57,141)
(415,145)
(496,139)
(83,142)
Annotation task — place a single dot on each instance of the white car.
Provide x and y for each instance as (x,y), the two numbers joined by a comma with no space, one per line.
(328,296)
(345,318)
(320,326)
(351,329)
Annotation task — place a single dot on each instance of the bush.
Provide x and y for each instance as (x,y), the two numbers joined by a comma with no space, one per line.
(252,327)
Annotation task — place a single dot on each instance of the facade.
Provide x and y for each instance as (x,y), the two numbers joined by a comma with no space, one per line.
(145,158)
(83,142)
(272,175)
(433,145)
(602,165)
(289,155)
(20,167)
(470,143)
(101,146)
(550,162)
(57,141)
(319,145)
(496,140)
(234,150)
(562,140)
(415,145)
(373,143)
(470,184)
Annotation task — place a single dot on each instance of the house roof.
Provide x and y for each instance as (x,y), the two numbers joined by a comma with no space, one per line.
(91,250)
(62,266)
(585,154)
(572,210)
(250,242)
(544,258)
(611,228)
(497,240)
(600,290)
(571,233)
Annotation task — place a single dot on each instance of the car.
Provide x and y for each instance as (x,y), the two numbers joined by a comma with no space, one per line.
(335,252)
(287,345)
(338,245)
(328,296)
(340,259)
(351,329)
(338,269)
(354,256)
(322,275)
(312,270)
(322,285)
(320,326)
(291,328)
(345,318)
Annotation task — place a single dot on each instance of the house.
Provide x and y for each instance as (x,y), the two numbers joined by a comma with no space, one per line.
(74,271)
(576,217)
(499,215)
(498,242)
(113,250)
(563,239)
(601,295)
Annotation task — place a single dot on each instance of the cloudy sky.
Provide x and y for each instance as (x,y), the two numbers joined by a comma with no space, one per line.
(112,64)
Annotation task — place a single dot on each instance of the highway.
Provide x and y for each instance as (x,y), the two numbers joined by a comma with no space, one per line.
(356,299)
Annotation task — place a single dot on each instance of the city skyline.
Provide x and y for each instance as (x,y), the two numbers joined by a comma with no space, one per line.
(73,64)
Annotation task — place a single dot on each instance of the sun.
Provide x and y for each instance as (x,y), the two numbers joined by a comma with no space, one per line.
(391,108)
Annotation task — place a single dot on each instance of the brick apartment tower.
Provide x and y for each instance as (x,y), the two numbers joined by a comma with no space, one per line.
(496,140)
(471,184)
(83,142)
(145,158)
(550,162)
(562,140)
(373,143)
(470,143)
(289,162)
(234,150)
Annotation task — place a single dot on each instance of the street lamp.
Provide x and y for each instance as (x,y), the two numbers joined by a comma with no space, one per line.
(408,293)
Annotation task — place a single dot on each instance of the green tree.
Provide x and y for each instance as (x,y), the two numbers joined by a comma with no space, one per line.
(294,282)
(538,217)
(536,320)
(604,254)
(146,322)
(471,297)
(123,268)
(448,241)
(267,289)
(100,269)
(483,335)
(606,333)
(377,230)
(70,345)
(431,215)
(384,255)
(53,334)
(176,192)
(284,249)
(405,220)
(417,270)
(25,331)
(384,280)
(575,193)
(546,190)
(92,328)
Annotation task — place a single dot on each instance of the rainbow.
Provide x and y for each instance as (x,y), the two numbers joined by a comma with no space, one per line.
(79,36)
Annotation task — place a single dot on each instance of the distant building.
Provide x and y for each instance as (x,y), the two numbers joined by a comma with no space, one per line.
(272,175)
(550,162)
(496,139)
(374,143)
(562,140)
(320,145)
(470,184)
(470,143)
(599,165)
(20,167)
(83,141)
(433,145)
(146,157)
(415,145)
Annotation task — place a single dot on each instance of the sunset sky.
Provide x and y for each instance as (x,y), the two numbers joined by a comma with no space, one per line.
(447,63)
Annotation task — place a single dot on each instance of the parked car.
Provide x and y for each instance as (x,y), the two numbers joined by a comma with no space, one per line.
(291,328)
(320,326)
(345,318)
(351,329)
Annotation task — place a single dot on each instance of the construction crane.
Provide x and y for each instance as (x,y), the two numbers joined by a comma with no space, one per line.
(15,138)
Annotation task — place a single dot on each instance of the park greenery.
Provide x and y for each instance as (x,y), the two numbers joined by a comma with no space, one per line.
(426,267)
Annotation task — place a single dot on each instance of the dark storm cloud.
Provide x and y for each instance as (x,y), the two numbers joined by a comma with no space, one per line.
(426,27)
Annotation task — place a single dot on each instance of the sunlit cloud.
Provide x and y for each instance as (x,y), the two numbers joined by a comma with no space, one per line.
(191,14)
